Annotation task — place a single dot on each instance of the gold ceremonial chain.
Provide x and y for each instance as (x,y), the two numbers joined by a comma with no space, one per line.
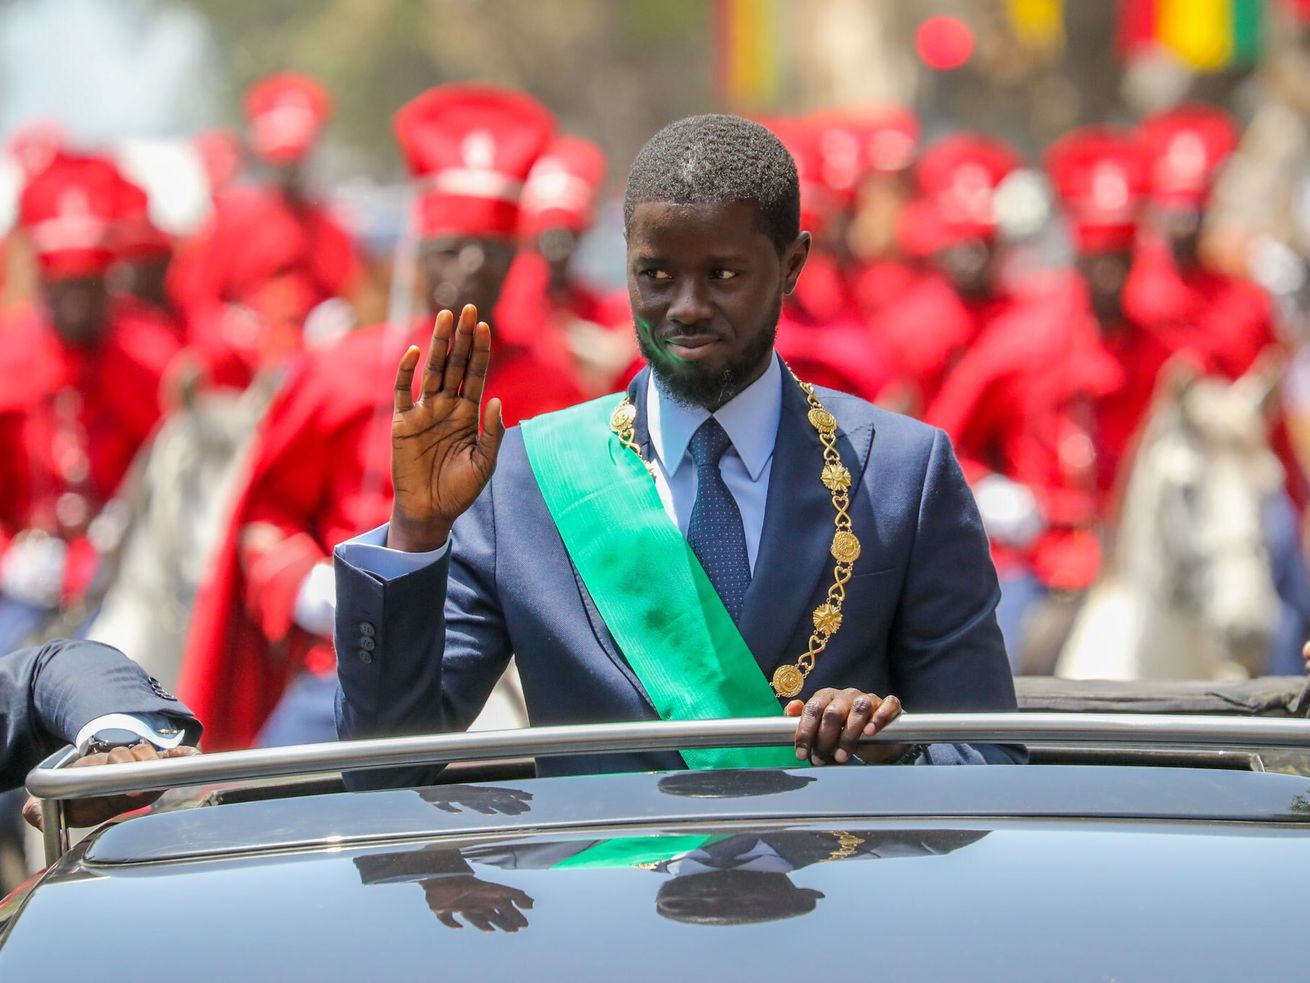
(789,679)
(847,844)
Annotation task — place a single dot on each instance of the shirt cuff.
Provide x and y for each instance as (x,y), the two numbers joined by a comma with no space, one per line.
(369,552)
(316,600)
(157,728)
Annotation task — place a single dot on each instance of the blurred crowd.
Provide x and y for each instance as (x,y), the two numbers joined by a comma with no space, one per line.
(188,425)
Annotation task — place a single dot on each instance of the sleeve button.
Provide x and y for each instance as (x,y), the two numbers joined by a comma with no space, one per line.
(366,629)
(365,656)
(367,644)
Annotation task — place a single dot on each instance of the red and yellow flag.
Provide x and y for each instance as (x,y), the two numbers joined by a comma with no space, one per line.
(1205,35)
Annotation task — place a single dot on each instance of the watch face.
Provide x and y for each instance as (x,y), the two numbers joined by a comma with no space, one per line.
(112,737)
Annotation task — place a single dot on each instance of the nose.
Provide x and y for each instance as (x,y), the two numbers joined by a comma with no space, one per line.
(691,302)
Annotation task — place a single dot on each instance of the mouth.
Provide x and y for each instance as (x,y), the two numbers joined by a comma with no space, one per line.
(693,347)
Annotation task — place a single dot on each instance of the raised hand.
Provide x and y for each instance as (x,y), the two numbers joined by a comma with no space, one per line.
(439,460)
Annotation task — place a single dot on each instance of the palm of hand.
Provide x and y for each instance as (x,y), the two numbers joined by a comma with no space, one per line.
(440,462)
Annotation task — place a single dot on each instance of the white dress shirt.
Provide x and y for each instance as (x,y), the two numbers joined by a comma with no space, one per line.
(751,421)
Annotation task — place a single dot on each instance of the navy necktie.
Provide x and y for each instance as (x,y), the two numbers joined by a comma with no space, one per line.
(716,534)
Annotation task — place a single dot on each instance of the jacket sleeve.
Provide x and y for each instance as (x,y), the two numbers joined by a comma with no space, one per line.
(50,692)
(946,649)
(420,653)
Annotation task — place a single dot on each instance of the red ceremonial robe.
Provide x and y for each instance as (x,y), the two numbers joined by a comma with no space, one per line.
(318,473)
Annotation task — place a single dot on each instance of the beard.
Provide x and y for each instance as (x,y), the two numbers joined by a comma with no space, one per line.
(694,385)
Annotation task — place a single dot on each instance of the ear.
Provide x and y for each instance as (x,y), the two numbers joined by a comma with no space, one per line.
(793,261)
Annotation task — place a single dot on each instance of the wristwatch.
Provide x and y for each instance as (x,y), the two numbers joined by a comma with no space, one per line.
(108,738)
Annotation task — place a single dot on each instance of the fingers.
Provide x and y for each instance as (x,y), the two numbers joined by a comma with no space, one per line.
(405,379)
(437,348)
(448,919)
(475,378)
(493,432)
(862,710)
(32,812)
(832,722)
(460,349)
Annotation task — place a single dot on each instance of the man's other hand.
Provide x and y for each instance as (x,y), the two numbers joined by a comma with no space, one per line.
(833,720)
(91,812)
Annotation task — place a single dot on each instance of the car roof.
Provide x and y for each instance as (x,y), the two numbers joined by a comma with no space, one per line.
(912,874)
(598,802)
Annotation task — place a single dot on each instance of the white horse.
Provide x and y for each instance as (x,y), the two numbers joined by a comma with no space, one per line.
(178,501)
(1188,592)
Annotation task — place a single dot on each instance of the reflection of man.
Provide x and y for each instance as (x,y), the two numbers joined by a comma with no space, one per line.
(669,552)
(712,880)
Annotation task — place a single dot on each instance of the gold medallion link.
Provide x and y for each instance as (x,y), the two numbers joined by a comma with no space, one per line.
(788,680)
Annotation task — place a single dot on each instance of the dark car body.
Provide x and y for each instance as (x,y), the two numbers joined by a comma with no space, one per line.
(1068,872)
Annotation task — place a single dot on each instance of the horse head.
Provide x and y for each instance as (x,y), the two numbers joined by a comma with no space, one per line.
(1194,506)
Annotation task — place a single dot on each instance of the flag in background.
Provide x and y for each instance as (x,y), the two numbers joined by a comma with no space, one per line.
(1205,35)
(746,53)
(1039,24)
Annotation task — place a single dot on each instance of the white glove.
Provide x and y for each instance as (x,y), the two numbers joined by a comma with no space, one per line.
(1009,511)
(33,569)
(316,600)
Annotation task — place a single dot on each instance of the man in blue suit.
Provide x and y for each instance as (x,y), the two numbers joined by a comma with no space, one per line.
(720,540)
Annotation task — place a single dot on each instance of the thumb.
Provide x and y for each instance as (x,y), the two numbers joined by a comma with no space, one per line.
(493,431)
(32,812)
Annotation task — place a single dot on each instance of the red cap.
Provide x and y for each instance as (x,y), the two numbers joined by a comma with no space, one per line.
(220,156)
(470,148)
(1098,172)
(960,175)
(135,236)
(286,112)
(1184,149)
(68,211)
(561,188)
(859,143)
(35,144)
(802,139)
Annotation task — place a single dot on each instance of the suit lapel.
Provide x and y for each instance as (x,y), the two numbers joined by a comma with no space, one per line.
(794,543)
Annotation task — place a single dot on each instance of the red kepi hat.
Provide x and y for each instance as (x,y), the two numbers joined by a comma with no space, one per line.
(1099,175)
(561,188)
(286,113)
(958,177)
(1184,149)
(135,235)
(470,148)
(68,212)
(803,139)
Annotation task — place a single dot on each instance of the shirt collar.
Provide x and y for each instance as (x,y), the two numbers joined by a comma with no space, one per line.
(750,419)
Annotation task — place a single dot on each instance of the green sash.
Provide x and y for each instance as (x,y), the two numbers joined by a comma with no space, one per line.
(629,851)
(648,585)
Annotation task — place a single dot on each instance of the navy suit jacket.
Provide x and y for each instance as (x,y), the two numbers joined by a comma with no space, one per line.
(48,693)
(421,652)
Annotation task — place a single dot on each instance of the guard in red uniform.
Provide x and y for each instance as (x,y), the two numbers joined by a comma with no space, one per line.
(543,305)
(951,229)
(319,471)
(79,384)
(821,334)
(1025,404)
(1224,321)
(268,254)
(143,253)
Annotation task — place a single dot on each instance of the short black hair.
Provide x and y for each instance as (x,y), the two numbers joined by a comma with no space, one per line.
(717,158)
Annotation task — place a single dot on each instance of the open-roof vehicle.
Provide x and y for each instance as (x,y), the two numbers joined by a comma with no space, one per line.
(1138,846)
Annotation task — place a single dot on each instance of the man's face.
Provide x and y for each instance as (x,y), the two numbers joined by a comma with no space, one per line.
(78,309)
(969,265)
(706,287)
(464,269)
(1181,229)
(1106,274)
